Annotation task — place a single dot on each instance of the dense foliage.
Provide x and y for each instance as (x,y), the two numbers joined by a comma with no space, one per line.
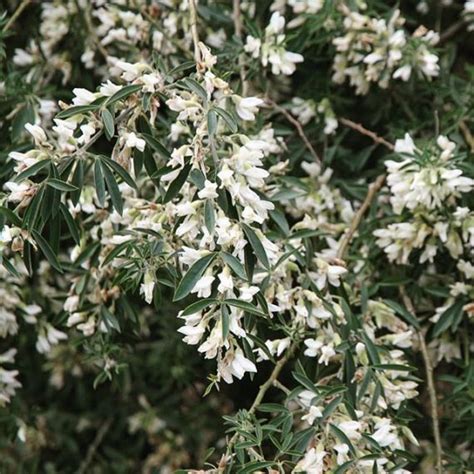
(236,236)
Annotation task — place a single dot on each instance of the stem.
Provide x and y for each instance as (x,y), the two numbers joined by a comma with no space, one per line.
(298,127)
(237,17)
(430,383)
(264,387)
(361,129)
(194,33)
(16,14)
(91,30)
(95,445)
(373,190)
(451,31)
(467,134)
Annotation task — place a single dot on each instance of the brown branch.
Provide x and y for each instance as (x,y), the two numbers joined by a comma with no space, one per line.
(373,190)
(361,129)
(467,134)
(101,432)
(194,33)
(430,383)
(298,127)
(237,17)
(451,31)
(265,386)
(16,14)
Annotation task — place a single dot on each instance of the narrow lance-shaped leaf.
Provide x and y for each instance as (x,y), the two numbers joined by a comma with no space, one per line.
(113,189)
(192,276)
(256,245)
(109,125)
(47,251)
(99,182)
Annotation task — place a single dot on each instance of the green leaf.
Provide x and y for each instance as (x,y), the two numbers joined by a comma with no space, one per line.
(225,321)
(115,252)
(153,143)
(47,251)
(76,110)
(9,267)
(71,223)
(109,125)
(211,122)
(177,184)
(10,216)
(123,93)
(109,319)
(192,276)
(113,189)
(403,312)
(120,170)
(195,87)
(228,119)
(343,438)
(248,307)
(448,318)
(198,306)
(32,170)
(61,185)
(22,117)
(234,264)
(99,182)
(182,67)
(371,349)
(256,245)
(78,181)
(280,220)
(209,215)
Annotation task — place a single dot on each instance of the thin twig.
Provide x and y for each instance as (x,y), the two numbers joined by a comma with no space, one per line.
(298,127)
(430,383)
(279,385)
(264,387)
(467,134)
(361,129)
(101,432)
(91,30)
(346,240)
(16,14)
(237,17)
(451,31)
(194,33)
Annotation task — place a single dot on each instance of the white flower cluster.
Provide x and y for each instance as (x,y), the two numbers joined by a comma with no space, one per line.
(425,183)
(373,50)
(8,378)
(271,48)
(306,110)
(468,14)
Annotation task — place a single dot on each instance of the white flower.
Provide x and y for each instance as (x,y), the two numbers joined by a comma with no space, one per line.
(313,347)
(203,286)
(108,89)
(253,46)
(209,191)
(147,287)
(313,462)
(132,141)
(351,429)
(37,133)
(405,145)
(226,283)
(314,412)
(241,364)
(247,107)
(83,96)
